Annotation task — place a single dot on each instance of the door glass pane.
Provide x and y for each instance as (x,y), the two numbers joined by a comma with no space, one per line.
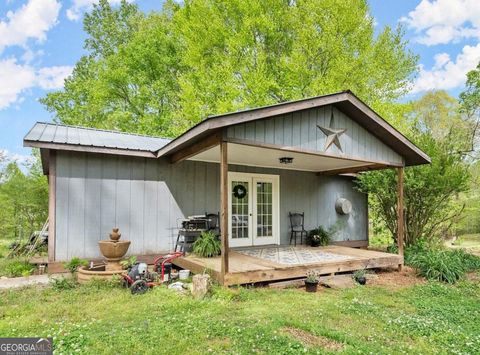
(239,190)
(264,209)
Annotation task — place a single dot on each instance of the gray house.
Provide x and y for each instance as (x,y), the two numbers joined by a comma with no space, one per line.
(298,156)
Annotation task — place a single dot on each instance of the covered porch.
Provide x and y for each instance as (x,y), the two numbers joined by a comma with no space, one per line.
(334,135)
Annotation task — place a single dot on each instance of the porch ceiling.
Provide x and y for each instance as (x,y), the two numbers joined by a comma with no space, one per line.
(239,154)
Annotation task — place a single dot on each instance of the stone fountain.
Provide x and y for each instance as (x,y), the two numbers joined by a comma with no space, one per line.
(113,251)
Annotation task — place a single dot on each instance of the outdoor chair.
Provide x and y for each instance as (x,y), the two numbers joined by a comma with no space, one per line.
(213,222)
(297,226)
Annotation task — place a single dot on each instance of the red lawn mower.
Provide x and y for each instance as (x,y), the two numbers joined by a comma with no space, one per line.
(139,279)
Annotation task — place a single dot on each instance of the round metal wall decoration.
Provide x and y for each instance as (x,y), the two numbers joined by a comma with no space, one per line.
(239,191)
(343,206)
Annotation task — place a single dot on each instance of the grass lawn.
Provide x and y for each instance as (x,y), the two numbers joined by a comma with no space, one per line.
(430,318)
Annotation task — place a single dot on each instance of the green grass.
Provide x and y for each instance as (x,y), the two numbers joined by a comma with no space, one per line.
(431,318)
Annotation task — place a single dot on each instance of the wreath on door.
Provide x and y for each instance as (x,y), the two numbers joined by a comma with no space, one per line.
(239,191)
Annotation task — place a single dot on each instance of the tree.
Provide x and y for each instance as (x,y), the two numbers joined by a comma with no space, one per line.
(23,199)
(162,73)
(430,191)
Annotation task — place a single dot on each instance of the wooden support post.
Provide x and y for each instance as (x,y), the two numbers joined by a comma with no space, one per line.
(52,167)
(400,217)
(224,208)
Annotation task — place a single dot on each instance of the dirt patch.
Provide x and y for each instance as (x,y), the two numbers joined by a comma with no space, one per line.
(310,340)
(392,278)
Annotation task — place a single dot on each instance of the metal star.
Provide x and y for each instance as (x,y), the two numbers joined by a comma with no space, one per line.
(332,134)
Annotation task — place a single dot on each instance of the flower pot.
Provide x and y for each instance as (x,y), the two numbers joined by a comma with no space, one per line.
(362,280)
(311,286)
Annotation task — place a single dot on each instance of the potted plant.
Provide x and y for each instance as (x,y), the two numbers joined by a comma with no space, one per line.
(311,282)
(318,236)
(359,277)
(207,245)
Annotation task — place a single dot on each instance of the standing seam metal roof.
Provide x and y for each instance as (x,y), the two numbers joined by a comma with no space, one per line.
(82,136)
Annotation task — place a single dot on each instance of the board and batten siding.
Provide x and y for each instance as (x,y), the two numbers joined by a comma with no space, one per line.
(147,199)
(299,130)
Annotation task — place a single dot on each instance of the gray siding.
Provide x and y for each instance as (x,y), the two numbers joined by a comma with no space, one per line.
(146,199)
(299,129)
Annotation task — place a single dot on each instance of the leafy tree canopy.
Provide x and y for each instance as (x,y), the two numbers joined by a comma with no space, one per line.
(431,205)
(160,73)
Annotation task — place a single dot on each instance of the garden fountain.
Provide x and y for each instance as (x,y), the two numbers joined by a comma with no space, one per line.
(113,251)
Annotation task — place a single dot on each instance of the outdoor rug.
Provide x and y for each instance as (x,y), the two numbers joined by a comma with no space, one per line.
(293,256)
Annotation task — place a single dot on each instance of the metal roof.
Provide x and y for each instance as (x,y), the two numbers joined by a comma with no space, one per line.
(63,135)
(345,101)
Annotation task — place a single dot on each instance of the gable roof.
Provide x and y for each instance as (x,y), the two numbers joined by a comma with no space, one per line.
(63,137)
(345,101)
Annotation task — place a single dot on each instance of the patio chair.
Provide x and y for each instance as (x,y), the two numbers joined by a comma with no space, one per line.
(297,226)
(213,222)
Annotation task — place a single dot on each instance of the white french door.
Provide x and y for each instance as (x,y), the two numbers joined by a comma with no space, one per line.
(253,210)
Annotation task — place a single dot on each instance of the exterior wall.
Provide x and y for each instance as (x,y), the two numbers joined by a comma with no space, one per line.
(147,198)
(299,129)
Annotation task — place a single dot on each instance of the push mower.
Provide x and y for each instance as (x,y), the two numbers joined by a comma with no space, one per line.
(139,279)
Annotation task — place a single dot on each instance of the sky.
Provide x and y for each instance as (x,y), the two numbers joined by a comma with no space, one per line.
(41,40)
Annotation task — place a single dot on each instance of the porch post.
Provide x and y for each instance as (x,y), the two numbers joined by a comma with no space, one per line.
(400,217)
(224,208)
(52,186)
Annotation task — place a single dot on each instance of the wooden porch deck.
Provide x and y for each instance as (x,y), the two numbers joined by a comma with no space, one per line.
(245,269)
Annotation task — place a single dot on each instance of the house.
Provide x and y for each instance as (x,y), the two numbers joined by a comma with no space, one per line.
(298,156)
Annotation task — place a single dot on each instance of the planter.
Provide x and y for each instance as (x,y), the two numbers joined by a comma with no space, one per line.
(311,286)
(362,280)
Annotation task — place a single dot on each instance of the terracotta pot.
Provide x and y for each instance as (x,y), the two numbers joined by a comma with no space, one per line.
(311,286)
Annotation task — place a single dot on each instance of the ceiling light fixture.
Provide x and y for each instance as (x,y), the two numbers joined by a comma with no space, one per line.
(286,160)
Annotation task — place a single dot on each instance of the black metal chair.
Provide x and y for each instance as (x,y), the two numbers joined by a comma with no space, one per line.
(297,226)
(213,222)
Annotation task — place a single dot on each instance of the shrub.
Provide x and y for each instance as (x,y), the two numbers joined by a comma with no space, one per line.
(18,268)
(207,245)
(129,262)
(441,265)
(318,236)
(74,264)
(62,283)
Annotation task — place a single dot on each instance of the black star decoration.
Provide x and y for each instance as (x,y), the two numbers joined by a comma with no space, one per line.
(332,134)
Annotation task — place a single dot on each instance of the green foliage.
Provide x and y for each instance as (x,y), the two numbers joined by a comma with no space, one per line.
(441,265)
(74,264)
(17,268)
(207,245)
(62,283)
(163,72)
(318,236)
(129,262)
(429,190)
(431,318)
(23,198)
(312,277)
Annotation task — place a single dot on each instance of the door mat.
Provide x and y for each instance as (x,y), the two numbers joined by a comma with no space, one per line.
(293,256)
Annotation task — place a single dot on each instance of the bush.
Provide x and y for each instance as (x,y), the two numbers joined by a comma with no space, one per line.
(318,236)
(441,265)
(18,268)
(62,283)
(74,264)
(207,245)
